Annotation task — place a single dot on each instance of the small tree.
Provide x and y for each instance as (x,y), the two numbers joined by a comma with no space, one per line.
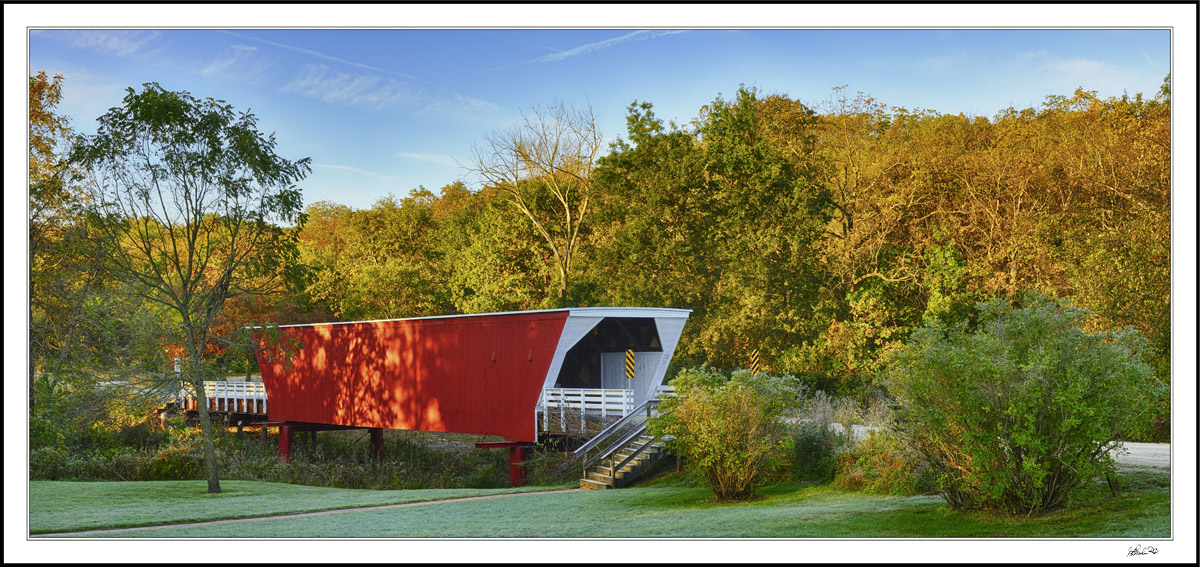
(730,428)
(1024,409)
(188,198)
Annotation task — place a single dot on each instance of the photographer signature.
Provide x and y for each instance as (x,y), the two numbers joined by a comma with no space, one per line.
(1139,550)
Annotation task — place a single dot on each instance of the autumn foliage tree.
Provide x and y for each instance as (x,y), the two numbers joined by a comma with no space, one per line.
(192,206)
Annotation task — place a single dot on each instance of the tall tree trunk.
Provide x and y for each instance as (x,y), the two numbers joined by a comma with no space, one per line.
(206,437)
(206,429)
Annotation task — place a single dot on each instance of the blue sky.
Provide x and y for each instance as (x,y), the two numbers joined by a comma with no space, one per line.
(385,111)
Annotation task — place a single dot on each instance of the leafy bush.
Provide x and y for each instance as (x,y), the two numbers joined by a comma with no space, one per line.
(814,450)
(829,449)
(47,463)
(175,462)
(815,442)
(46,433)
(1023,410)
(729,428)
(881,464)
(548,467)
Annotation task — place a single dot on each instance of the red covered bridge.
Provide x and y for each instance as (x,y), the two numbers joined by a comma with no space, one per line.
(486,374)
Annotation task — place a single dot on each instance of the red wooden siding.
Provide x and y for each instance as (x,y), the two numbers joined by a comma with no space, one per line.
(475,374)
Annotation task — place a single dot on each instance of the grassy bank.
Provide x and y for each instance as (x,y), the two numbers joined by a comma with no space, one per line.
(1142,509)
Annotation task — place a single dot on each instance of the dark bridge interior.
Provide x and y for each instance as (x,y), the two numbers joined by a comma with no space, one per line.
(581,367)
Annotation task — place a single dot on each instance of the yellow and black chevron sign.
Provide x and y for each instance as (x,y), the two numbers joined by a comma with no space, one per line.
(629,364)
(754,362)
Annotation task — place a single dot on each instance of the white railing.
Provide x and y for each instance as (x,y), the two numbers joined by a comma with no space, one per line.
(569,403)
(228,396)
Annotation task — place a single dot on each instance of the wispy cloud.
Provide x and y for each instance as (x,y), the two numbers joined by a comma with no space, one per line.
(320,55)
(1085,72)
(119,42)
(1148,59)
(1078,66)
(640,35)
(353,169)
(238,62)
(461,106)
(1068,73)
(940,62)
(441,159)
(371,92)
(1026,55)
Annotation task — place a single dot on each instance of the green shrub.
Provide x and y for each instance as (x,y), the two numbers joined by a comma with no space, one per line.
(47,463)
(1023,410)
(815,442)
(548,467)
(339,459)
(881,464)
(729,428)
(814,450)
(175,462)
(46,433)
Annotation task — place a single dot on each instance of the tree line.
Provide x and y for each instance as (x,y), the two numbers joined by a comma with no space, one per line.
(819,234)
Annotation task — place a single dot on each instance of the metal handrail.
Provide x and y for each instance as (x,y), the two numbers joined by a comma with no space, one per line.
(612,449)
(634,414)
(615,447)
(631,456)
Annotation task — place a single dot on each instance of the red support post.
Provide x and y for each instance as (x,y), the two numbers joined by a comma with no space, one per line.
(516,458)
(376,443)
(516,465)
(285,443)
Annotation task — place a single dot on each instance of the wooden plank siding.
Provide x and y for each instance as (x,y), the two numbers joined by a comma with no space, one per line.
(472,374)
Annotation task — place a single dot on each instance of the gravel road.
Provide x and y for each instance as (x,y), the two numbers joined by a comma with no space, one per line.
(1152,455)
(1155,455)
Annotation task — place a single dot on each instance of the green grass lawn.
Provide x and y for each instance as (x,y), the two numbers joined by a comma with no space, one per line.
(661,511)
(60,506)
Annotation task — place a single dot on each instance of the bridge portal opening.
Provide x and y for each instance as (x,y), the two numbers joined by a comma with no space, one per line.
(598,359)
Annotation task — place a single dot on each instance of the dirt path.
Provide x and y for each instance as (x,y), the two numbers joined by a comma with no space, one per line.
(298,515)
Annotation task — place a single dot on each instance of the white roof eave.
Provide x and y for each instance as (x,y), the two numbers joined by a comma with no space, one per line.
(655,312)
(664,312)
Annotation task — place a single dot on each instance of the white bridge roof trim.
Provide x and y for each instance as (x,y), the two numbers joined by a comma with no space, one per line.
(645,312)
